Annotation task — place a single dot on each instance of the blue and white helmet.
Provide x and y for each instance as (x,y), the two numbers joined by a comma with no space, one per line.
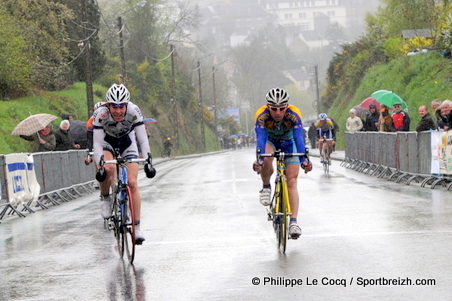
(323,116)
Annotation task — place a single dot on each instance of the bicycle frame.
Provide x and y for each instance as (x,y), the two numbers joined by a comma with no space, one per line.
(123,215)
(280,209)
(326,153)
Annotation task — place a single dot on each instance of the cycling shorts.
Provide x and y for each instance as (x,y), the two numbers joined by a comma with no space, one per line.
(127,145)
(287,146)
(327,134)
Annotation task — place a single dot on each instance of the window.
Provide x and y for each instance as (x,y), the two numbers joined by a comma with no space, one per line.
(304,26)
(331,13)
(288,16)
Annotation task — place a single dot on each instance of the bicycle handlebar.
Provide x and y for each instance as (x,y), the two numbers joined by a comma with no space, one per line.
(148,168)
(122,161)
(280,155)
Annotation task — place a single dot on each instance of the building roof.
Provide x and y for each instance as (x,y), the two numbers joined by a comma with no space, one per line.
(412,33)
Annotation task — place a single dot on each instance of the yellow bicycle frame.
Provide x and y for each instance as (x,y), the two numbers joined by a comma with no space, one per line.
(282,185)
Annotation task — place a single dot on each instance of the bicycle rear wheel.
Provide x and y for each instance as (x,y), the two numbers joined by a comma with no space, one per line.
(128,229)
(326,166)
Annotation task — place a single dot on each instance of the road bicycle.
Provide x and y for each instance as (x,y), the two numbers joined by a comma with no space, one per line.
(325,155)
(122,220)
(279,210)
(166,152)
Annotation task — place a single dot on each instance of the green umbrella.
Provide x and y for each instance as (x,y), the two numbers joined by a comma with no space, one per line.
(388,98)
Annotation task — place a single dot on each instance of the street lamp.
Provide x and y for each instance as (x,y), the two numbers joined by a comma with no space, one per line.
(121,42)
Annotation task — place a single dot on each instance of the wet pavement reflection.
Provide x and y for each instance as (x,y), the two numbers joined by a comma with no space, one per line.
(208,238)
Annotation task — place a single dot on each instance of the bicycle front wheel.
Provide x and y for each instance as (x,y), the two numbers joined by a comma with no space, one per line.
(115,223)
(285,217)
(128,229)
(281,217)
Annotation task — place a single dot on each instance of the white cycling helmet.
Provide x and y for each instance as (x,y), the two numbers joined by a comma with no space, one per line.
(118,94)
(277,97)
(323,116)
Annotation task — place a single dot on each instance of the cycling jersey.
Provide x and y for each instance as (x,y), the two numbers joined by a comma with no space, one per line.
(325,129)
(123,135)
(286,135)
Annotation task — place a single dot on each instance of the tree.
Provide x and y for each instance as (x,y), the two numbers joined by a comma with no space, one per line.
(83,35)
(261,63)
(40,24)
(400,15)
(14,59)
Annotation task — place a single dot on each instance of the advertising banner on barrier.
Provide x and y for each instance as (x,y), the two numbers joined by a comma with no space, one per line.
(445,153)
(21,178)
(435,138)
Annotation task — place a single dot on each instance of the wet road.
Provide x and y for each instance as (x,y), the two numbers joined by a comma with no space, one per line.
(207,238)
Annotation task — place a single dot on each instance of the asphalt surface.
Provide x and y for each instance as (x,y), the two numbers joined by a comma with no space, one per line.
(208,238)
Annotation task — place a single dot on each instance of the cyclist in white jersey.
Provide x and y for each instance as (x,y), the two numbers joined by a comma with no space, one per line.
(119,125)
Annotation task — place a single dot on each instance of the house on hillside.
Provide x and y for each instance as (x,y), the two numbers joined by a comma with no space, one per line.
(221,20)
(421,33)
(300,78)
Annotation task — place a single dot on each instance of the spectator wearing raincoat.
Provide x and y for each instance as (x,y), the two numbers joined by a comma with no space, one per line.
(354,123)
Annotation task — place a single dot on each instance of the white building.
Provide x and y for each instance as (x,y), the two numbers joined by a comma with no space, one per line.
(303,13)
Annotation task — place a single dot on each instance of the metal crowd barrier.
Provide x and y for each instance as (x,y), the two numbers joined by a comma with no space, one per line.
(400,156)
(62,176)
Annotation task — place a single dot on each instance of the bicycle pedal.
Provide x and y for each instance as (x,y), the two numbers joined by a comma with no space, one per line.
(111,225)
(139,242)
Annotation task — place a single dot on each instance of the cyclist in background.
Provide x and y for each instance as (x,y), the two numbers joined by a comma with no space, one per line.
(325,129)
(167,147)
(119,125)
(279,126)
(89,132)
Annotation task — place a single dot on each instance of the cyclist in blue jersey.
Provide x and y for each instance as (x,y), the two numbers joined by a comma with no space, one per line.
(279,126)
(325,127)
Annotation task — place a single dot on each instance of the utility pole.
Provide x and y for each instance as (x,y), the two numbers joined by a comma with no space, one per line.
(88,73)
(203,137)
(215,116)
(121,52)
(316,74)
(173,94)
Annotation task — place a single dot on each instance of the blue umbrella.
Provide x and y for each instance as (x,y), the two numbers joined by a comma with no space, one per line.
(149,120)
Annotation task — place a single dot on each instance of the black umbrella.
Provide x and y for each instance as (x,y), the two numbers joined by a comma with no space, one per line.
(78,132)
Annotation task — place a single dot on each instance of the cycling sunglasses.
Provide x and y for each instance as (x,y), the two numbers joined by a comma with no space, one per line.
(277,108)
(118,105)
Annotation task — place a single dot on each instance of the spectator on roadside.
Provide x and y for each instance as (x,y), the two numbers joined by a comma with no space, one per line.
(371,121)
(63,137)
(353,123)
(334,131)
(312,135)
(43,140)
(385,120)
(66,116)
(400,119)
(426,123)
(436,106)
(446,115)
